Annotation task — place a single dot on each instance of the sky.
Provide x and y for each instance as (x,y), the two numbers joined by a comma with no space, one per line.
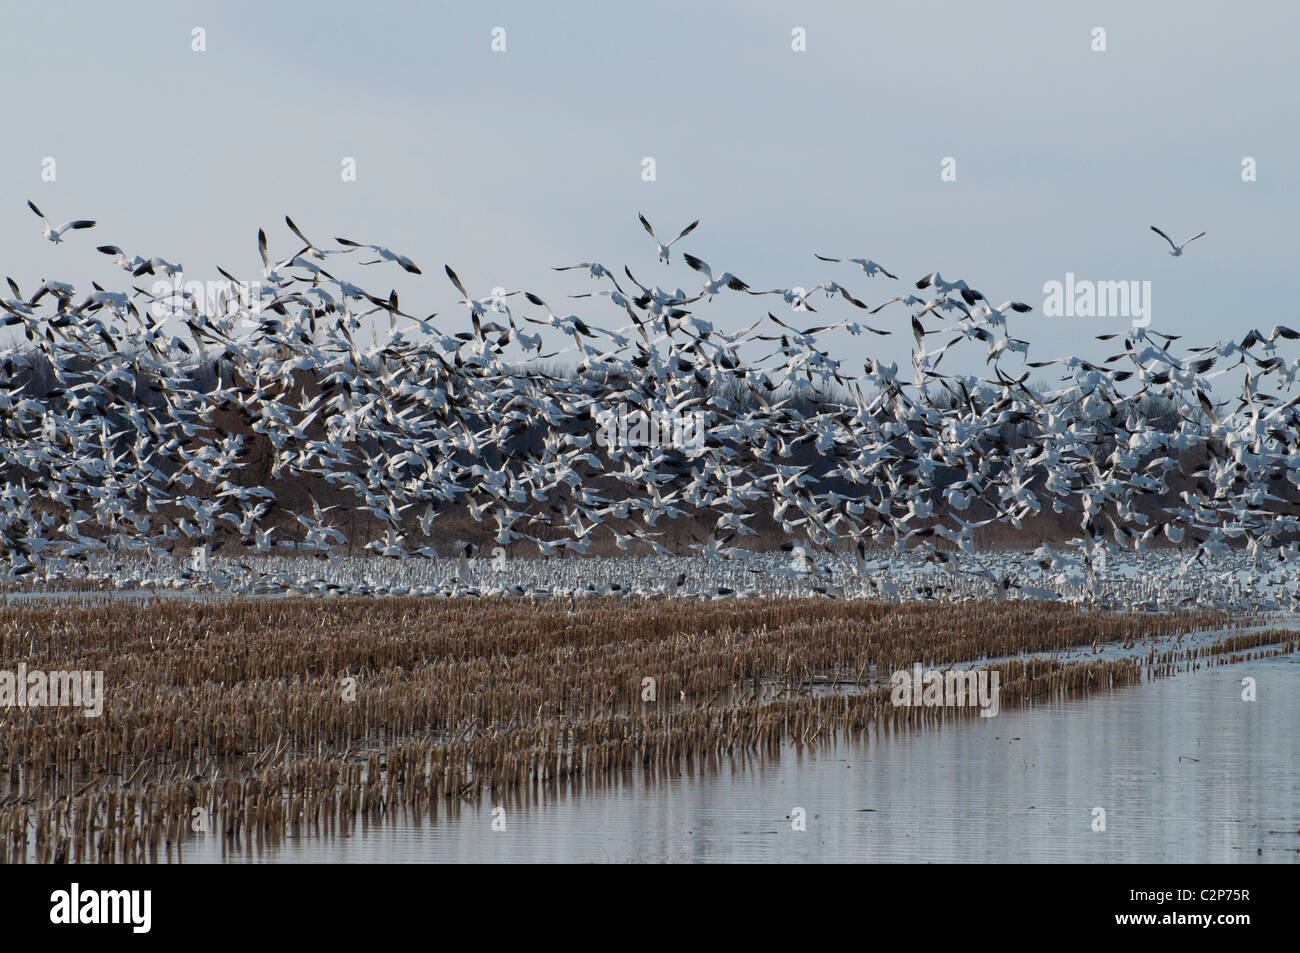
(505,163)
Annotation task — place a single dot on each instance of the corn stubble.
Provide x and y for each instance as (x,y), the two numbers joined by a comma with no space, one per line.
(239,708)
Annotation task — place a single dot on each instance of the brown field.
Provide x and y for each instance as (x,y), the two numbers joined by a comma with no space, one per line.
(241,708)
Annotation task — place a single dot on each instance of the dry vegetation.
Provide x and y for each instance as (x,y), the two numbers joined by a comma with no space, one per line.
(239,707)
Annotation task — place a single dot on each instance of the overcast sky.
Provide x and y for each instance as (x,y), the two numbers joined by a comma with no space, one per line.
(505,163)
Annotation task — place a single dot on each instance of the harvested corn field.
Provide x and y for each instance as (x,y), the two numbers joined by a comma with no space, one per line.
(261,719)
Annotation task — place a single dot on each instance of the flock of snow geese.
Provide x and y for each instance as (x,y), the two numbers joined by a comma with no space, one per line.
(118,451)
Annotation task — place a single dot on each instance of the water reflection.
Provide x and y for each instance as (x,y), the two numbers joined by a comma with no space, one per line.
(1185,770)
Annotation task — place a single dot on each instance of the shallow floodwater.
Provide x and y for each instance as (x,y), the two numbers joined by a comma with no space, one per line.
(1185,770)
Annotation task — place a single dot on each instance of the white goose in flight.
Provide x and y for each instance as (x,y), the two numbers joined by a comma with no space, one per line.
(1177,249)
(866,264)
(56,234)
(663,249)
(384,255)
(121,259)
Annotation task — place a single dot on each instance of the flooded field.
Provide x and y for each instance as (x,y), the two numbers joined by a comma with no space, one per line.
(1185,770)
(1154,580)
(637,729)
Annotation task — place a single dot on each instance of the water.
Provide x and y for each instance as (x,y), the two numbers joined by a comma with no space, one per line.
(1160,579)
(1018,787)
